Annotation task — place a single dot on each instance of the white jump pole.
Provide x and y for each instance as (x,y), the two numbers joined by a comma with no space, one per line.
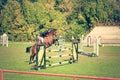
(2,40)
(88,41)
(7,41)
(96,47)
(81,43)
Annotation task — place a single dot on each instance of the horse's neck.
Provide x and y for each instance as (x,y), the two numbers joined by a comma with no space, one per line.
(50,35)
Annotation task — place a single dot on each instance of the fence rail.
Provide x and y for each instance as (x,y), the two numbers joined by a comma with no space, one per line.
(56,75)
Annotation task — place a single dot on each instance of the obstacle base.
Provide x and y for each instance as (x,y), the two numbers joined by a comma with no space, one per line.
(87,54)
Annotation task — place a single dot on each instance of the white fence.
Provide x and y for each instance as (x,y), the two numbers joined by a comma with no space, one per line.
(4,40)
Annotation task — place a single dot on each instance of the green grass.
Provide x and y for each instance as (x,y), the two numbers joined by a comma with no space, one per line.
(106,65)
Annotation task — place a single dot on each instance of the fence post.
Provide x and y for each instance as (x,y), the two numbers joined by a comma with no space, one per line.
(1,75)
(74,78)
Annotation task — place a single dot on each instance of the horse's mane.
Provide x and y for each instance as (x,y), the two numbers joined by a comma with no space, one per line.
(47,32)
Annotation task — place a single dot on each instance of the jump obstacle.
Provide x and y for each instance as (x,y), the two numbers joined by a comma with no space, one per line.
(4,40)
(42,58)
(59,45)
(42,54)
(95,52)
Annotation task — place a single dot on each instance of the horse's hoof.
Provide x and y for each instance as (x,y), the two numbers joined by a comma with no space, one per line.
(36,68)
(30,62)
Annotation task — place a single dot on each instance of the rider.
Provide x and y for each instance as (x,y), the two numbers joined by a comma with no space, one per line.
(40,39)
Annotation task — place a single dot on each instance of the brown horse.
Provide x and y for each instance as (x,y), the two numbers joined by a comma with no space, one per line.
(48,40)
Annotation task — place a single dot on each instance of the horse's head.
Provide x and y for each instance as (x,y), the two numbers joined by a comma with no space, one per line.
(53,32)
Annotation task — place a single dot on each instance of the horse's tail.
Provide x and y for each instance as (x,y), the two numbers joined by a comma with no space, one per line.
(28,49)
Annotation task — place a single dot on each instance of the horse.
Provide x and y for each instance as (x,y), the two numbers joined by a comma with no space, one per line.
(48,39)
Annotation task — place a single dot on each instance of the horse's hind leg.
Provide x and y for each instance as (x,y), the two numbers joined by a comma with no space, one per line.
(33,53)
(31,59)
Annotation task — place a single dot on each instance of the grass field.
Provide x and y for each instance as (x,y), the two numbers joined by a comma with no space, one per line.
(106,65)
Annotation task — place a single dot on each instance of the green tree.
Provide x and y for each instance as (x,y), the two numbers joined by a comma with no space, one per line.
(9,19)
(22,20)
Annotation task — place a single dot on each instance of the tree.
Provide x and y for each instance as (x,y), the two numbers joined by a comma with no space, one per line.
(22,20)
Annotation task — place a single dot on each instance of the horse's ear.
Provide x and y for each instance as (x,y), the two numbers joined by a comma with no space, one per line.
(49,30)
(55,29)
